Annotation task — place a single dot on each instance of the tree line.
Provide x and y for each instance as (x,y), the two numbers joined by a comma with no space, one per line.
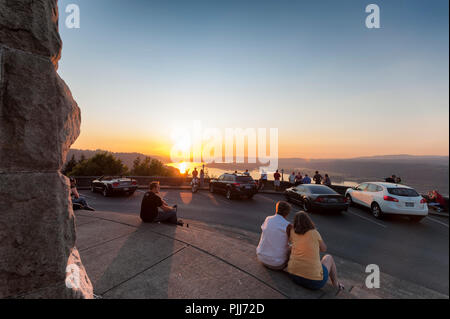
(105,163)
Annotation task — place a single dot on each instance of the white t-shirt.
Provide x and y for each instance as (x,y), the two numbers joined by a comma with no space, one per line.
(292,179)
(273,248)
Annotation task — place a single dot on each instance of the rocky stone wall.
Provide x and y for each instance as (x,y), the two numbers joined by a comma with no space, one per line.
(39,120)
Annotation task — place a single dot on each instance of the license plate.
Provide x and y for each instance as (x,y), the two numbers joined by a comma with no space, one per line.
(332,200)
(248,187)
(409,204)
(125,189)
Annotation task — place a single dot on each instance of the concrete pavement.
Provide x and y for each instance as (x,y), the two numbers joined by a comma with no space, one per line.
(128,259)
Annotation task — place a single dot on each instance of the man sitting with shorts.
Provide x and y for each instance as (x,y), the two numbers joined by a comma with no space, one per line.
(154,209)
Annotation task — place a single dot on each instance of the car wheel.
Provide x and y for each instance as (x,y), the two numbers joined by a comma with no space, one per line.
(130,193)
(416,219)
(105,192)
(250,196)
(229,194)
(288,199)
(306,206)
(349,200)
(211,188)
(376,211)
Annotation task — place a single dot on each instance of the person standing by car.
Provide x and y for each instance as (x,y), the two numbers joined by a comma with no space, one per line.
(292,179)
(202,177)
(262,180)
(317,178)
(195,173)
(304,266)
(76,199)
(327,181)
(298,179)
(154,209)
(276,182)
(273,248)
(306,179)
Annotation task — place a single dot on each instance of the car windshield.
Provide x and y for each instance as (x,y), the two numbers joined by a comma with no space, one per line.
(405,192)
(244,179)
(319,189)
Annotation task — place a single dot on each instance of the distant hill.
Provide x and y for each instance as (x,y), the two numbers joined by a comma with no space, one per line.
(127,158)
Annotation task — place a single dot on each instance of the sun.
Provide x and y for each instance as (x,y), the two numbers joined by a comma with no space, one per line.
(182,167)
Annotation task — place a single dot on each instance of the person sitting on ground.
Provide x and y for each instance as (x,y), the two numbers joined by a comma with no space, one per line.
(154,209)
(436,201)
(276,182)
(292,178)
(304,266)
(327,181)
(306,179)
(317,178)
(273,248)
(76,199)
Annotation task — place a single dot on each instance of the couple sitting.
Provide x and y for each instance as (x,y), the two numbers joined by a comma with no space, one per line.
(296,247)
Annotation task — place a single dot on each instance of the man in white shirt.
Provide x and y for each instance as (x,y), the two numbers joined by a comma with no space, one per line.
(292,178)
(273,249)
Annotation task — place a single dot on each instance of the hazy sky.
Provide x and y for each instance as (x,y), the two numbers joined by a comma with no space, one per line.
(333,88)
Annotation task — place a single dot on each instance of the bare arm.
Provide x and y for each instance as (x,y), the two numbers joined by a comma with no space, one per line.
(75,192)
(322,246)
(288,230)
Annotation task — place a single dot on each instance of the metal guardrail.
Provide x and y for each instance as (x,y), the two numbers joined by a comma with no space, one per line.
(144,181)
(85,181)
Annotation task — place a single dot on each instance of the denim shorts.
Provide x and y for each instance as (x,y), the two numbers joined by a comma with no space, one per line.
(311,284)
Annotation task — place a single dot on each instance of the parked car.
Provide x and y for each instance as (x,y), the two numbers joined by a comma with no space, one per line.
(389,198)
(234,185)
(109,185)
(313,197)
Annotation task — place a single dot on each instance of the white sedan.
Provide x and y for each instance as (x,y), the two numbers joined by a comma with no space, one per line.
(388,198)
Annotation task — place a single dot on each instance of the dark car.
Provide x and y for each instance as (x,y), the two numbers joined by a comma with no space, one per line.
(234,185)
(316,198)
(109,185)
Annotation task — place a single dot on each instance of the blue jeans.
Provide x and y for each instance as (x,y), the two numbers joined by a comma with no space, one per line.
(311,284)
(80,201)
(167,217)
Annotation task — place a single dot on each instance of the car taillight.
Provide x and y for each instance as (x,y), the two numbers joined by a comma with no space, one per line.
(320,199)
(423,201)
(115,184)
(236,184)
(134,183)
(390,199)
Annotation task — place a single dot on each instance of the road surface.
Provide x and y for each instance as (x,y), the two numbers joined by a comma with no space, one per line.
(418,253)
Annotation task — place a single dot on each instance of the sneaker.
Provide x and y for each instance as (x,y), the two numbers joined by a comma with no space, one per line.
(180,222)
